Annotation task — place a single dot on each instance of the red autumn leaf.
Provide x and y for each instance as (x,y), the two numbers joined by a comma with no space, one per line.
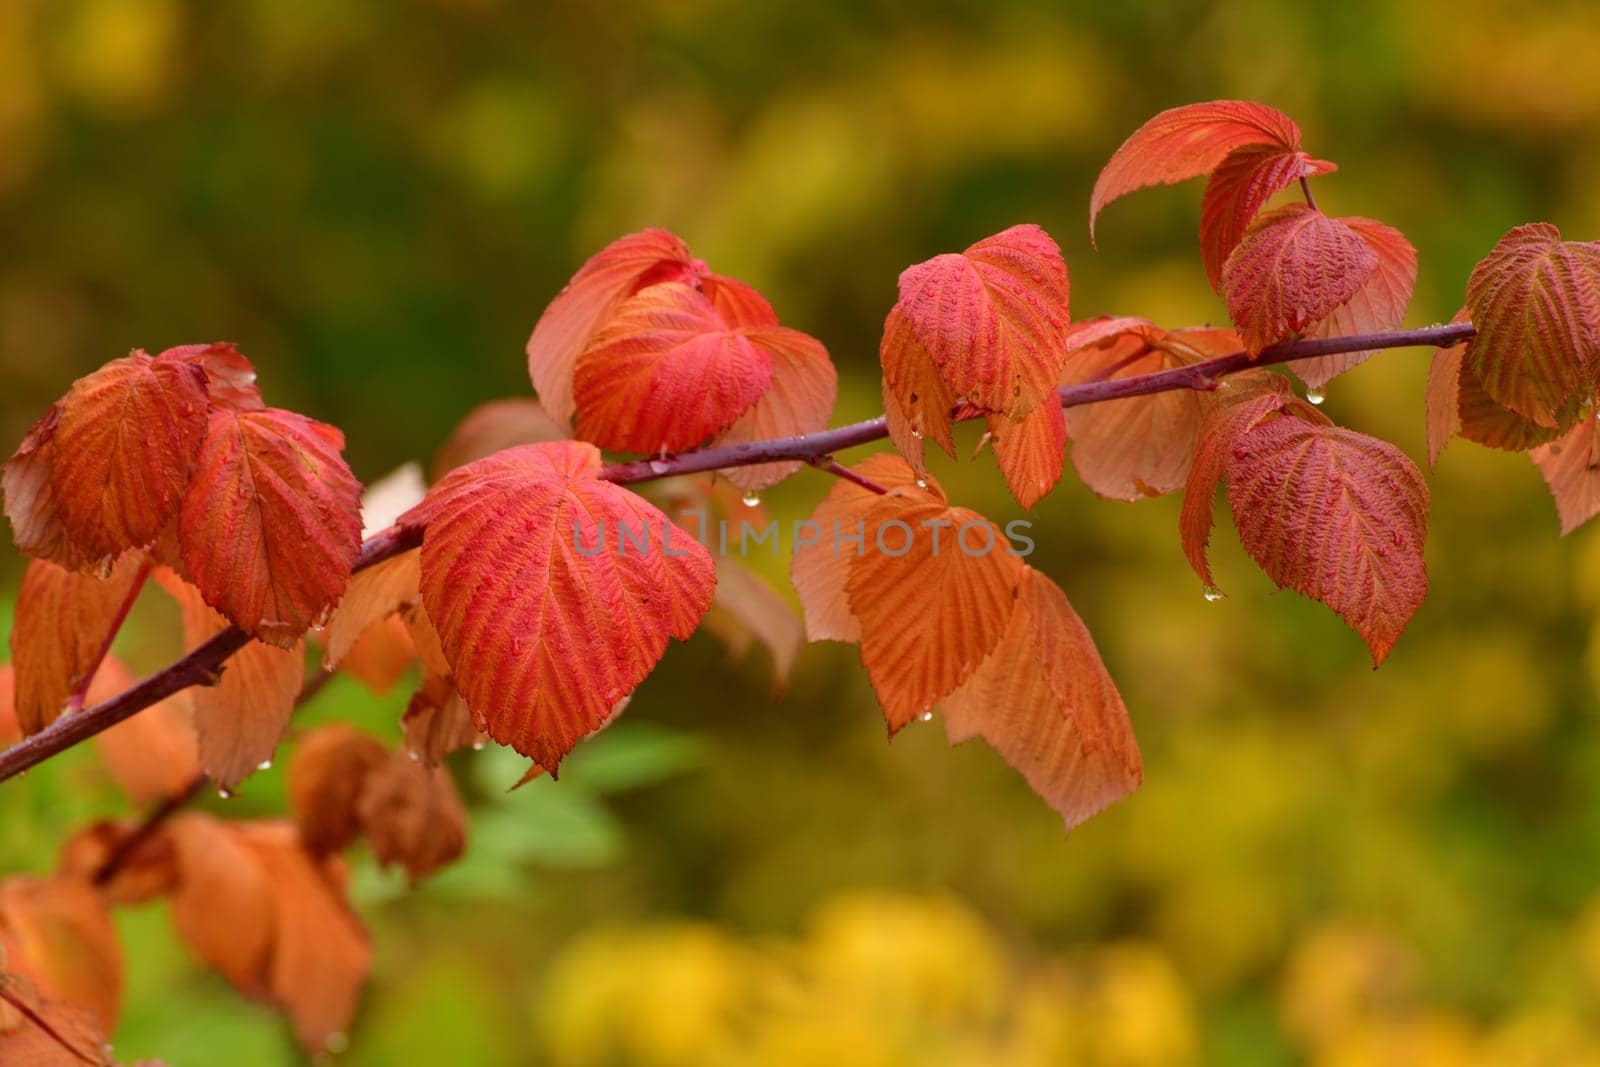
(490,427)
(1571,468)
(1242,402)
(1044,701)
(327,773)
(667,372)
(154,754)
(239,720)
(992,318)
(230,377)
(1458,404)
(547,609)
(1139,446)
(931,595)
(1187,142)
(1378,305)
(57,933)
(31,502)
(1336,515)
(1535,301)
(64,621)
(271,527)
(412,815)
(823,553)
(123,452)
(916,401)
(1294,267)
(1238,189)
(1031,451)
(799,400)
(739,304)
(436,721)
(570,323)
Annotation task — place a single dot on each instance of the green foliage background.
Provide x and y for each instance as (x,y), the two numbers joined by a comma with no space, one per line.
(375,198)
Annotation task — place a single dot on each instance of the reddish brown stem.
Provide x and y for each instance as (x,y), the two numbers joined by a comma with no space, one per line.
(201,665)
(82,693)
(1305,187)
(839,470)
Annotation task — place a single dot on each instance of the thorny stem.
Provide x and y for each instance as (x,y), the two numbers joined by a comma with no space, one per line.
(200,666)
(82,692)
(169,806)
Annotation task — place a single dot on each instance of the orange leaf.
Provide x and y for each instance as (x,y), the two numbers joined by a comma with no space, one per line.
(798,401)
(147,871)
(1044,701)
(154,754)
(490,427)
(1031,451)
(223,903)
(10,730)
(412,815)
(1186,142)
(1336,515)
(823,553)
(55,1033)
(992,318)
(239,720)
(1378,305)
(746,607)
(547,609)
(271,527)
(1242,402)
(320,951)
(916,402)
(1139,446)
(326,775)
(124,450)
(230,377)
(1571,468)
(64,621)
(436,721)
(1238,189)
(374,594)
(578,312)
(273,920)
(1294,267)
(57,932)
(667,372)
(1535,301)
(31,502)
(382,656)
(932,598)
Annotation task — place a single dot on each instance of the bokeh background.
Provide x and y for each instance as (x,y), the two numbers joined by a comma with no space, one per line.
(375,198)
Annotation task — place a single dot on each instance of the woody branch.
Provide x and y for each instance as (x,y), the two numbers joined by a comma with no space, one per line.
(201,665)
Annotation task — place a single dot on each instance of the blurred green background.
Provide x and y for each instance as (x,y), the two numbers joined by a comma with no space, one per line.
(375,199)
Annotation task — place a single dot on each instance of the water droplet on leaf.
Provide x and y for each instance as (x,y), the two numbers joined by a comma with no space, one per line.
(659,466)
(1213,594)
(752,499)
(1316,396)
(264,765)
